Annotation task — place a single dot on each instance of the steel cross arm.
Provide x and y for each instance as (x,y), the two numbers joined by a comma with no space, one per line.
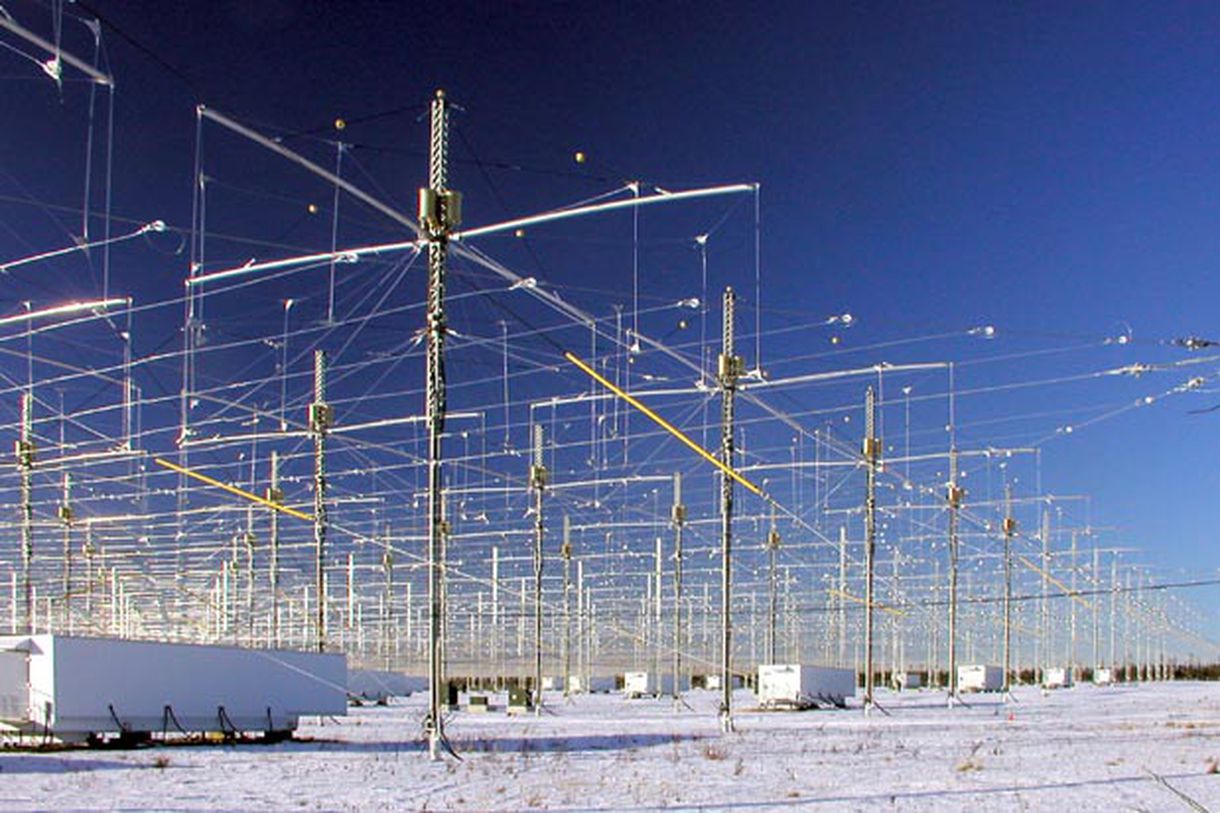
(971,504)
(641,478)
(58,53)
(347,255)
(62,310)
(652,523)
(302,433)
(830,376)
(59,463)
(889,461)
(578,211)
(803,379)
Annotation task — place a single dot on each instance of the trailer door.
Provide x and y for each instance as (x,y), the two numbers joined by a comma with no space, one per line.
(14,686)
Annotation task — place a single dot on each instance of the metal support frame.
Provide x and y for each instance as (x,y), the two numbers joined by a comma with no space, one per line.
(730,369)
(538,478)
(66,516)
(1071,660)
(1010,530)
(654,629)
(25,466)
(679,519)
(319,424)
(439,210)
(840,601)
(387,602)
(1096,660)
(773,595)
(566,552)
(275,495)
(1044,622)
(871,450)
(953,498)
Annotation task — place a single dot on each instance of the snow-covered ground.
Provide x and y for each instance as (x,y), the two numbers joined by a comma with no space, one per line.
(1151,747)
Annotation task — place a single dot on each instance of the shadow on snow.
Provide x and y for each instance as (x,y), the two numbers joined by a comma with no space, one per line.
(501,745)
(836,801)
(35,763)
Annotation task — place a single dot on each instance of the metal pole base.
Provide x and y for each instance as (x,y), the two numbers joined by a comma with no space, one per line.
(433,735)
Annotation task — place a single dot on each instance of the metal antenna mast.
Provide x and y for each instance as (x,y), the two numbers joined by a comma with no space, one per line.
(25,464)
(655,636)
(897,648)
(538,476)
(443,566)
(1097,602)
(319,422)
(276,495)
(872,454)
(679,518)
(496,654)
(387,612)
(1010,530)
(840,598)
(566,553)
(730,368)
(584,632)
(250,551)
(1072,609)
(953,496)
(66,517)
(1044,623)
(89,551)
(1113,613)
(439,211)
(772,551)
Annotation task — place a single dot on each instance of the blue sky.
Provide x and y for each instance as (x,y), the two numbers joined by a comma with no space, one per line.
(929,168)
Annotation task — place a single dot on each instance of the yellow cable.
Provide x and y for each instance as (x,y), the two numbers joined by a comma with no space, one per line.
(664,424)
(859,600)
(234,490)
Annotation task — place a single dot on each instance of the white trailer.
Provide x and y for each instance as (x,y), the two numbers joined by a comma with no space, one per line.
(906,680)
(650,684)
(640,684)
(795,685)
(73,688)
(1103,676)
(597,685)
(976,677)
(1056,677)
(712,682)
